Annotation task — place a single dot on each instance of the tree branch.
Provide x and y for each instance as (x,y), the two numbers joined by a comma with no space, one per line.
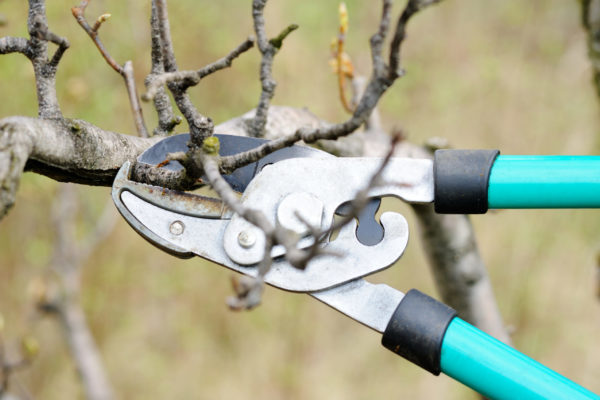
(379,82)
(14,45)
(44,69)
(166,119)
(410,10)
(378,38)
(65,150)
(200,126)
(186,79)
(460,274)
(267,48)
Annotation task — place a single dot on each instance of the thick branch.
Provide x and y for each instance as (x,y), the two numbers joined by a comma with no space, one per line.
(77,151)
(65,150)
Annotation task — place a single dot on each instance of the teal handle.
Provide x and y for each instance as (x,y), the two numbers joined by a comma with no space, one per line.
(498,371)
(545,182)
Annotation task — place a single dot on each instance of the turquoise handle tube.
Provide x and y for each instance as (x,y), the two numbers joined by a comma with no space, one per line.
(544,182)
(428,333)
(498,371)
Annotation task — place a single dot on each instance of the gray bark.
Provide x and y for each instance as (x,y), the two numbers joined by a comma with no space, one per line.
(65,150)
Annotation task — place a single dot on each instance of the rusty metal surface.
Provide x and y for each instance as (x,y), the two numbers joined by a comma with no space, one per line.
(184,203)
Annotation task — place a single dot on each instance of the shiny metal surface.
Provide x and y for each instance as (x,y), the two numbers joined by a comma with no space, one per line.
(121,185)
(304,204)
(203,237)
(371,305)
(332,181)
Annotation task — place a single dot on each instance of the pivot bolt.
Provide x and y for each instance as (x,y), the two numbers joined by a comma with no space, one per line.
(305,205)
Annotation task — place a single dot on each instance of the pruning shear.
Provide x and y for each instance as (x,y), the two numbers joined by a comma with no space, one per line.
(300,185)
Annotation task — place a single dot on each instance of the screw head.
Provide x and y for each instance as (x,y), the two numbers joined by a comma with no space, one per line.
(177,228)
(246,239)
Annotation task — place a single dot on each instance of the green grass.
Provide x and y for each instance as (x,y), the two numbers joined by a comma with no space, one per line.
(500,74)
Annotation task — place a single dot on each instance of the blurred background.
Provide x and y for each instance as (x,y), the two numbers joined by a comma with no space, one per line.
(500,74)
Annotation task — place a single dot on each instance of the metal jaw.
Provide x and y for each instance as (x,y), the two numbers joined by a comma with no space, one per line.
(333,280)
(185,224)
(184,235)
(314,189)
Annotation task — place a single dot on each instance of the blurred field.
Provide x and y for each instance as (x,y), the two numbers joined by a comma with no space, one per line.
(504,74)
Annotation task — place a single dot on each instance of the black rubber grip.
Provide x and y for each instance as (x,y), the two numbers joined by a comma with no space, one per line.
(417,329)
(461,180)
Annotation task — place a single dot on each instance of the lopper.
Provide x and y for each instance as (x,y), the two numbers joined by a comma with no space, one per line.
(302,181)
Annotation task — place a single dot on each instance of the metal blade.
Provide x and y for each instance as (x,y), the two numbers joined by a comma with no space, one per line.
(229,145)
(173,200)
(370,304)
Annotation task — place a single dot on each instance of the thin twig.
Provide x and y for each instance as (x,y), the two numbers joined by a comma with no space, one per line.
(79,14)
(411,9)
(126,71)
(380,81)
(11,44)
(378,38)
(268,49)
(134,101)
(40,31)
(200,126)
(186,79)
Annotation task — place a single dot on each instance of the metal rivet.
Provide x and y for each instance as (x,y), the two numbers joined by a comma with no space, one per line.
(246,239)
(177,228)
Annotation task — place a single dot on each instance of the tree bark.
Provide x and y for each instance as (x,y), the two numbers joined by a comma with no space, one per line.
(64,150)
